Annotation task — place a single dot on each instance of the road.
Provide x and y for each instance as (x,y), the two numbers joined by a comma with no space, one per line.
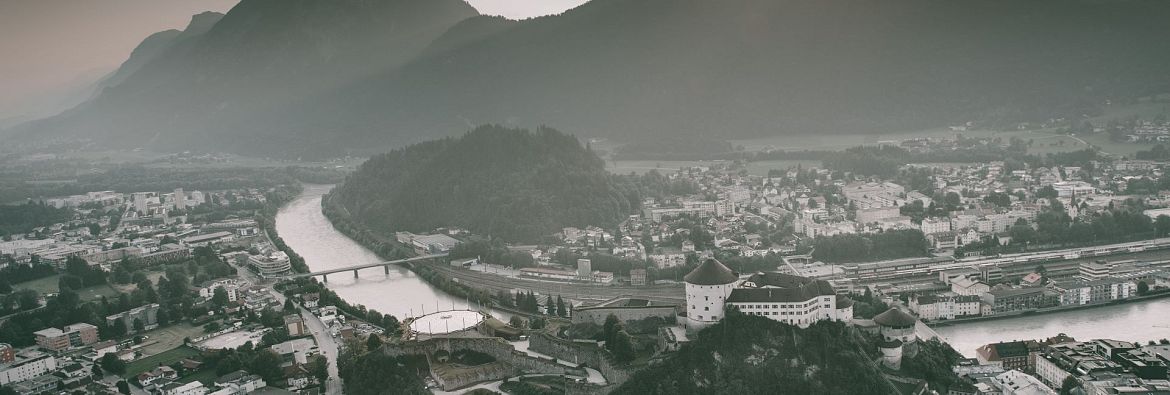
(326,344)
(329,348)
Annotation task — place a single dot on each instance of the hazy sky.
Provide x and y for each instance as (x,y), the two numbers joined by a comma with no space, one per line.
(49,45)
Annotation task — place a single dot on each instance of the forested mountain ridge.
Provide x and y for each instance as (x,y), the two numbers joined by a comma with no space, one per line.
(507,183)
(649,69)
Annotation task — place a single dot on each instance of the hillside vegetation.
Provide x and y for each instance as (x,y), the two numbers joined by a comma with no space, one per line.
(755,355)
(507,183)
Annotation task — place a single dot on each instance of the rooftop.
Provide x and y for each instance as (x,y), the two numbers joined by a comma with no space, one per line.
(711,272)
(895,318)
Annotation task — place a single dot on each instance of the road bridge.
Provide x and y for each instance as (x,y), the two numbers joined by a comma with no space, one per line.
(324,274)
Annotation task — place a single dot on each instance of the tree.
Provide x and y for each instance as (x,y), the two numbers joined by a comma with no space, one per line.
(622,347)
(610,328)
(319,367)
(1162,225)
(112,363)
(561,307)
(266,364)
(517,322)
(1069,385)
(1143,287)
(5,287)
(219,297)
(123,387)
(373,342)
(550,308)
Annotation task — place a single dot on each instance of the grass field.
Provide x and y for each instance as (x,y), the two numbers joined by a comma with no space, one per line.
(166,358)
(43,286)
(48,285)
(205,376)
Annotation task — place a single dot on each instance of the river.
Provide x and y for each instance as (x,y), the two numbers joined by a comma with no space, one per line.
(401,293)
(1138,322)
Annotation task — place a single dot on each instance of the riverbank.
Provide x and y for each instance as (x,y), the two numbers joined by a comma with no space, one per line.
(387,248)
(400,292)
(1135,322)
(1051,310)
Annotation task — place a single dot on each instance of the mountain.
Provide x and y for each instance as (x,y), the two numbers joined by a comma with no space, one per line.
(310,77)
(219,85)
(160,43)
(511,184)
(693,68)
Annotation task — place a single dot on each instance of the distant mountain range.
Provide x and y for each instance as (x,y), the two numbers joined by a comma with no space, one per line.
(317,77)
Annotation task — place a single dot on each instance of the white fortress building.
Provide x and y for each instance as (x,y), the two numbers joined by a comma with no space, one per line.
(793,300)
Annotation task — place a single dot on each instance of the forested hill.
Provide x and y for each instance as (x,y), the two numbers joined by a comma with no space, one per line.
(755,355)
(508,183)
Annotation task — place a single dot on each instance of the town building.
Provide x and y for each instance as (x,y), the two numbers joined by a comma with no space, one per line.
(74,335)
(1103,290)
(238,383)
(272,264)
(295,325)
(637,277)
(1017,299)
(144,316)
(584,269)
(1019,355)
(1015,382)
(934,307)
(26,365)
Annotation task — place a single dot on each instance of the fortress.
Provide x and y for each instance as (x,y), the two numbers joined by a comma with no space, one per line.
(794,300)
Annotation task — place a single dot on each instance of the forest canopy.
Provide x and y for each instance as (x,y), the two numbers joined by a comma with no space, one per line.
(513,184)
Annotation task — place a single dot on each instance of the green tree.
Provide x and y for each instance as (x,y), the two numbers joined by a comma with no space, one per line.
(319,368)
(550,308)
(373,342)
(1069,385)
(1162,225)
(622,347)
(113,364)
(219,297)
(610,328)
(266,364)
(123,387)
(1143,288)
(561,307)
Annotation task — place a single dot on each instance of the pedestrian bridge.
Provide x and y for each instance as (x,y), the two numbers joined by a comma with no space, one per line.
(324,274)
